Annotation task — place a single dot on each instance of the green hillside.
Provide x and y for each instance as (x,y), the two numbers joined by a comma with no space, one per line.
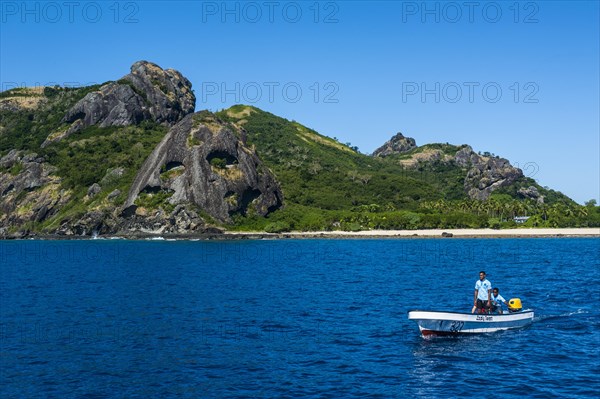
(328,185)
(320,172)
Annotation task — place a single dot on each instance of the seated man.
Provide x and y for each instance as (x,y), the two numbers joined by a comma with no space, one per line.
(497,301)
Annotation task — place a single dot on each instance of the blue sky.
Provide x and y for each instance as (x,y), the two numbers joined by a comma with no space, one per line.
(518,79)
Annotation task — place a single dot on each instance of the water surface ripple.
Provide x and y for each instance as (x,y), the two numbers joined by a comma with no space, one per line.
(292,318)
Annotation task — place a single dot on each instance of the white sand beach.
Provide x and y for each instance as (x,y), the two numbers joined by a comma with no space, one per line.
(544,232)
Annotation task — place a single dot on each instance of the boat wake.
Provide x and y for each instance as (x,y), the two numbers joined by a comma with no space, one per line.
(560,316)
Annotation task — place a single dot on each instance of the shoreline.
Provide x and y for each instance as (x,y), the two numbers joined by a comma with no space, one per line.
(365,234)
(435,233)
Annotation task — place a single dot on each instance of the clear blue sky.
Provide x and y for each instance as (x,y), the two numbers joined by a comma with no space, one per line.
(519,79)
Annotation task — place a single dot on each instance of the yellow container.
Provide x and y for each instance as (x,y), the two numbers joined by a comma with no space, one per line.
(514,304)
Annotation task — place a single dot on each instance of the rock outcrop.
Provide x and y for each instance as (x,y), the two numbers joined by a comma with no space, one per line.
(396,145)
(147,93)
(488,175)
(203,161)
(466,157)
(29,191)
(483,174)
(531,192)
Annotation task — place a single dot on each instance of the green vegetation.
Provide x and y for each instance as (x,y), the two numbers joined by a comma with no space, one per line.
(155,201)
(85,157)
(321,173)
(218,163)
(329,186)
(27,129)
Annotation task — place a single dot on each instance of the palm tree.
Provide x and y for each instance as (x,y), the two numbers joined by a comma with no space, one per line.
(441,206)
(480,207)
(519,208)
(543,209)
(464,205)
(582,211)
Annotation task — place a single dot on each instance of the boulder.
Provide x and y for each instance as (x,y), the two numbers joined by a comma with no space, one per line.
(93,190)
(531,192)
(465,157)
(112,175)
(113,194)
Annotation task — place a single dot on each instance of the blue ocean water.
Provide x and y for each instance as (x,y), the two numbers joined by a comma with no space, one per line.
(292,318)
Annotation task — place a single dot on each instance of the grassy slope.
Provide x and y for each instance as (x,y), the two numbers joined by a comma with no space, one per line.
(320,172)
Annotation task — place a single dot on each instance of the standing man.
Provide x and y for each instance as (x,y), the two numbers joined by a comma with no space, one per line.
(483,294)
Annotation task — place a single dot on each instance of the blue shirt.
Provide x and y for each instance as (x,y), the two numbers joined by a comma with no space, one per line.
(483,287)
(498,300)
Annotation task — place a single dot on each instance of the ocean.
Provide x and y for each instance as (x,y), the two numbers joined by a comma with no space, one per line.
(293,318)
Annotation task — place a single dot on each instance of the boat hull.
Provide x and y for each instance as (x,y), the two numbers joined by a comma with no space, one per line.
(449,323)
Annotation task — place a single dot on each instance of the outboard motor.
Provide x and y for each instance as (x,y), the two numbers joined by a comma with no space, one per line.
(514,305)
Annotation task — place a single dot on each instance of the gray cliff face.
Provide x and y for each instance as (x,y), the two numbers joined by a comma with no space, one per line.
(488,174)
(147,93)
(202,161)
(466,157)
(485,174)
(29,192)
(396,145)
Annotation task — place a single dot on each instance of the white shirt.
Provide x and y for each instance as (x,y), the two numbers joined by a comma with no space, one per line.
(483,287)
(498,300)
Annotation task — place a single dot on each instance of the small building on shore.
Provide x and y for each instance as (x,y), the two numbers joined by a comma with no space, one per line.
(521,219)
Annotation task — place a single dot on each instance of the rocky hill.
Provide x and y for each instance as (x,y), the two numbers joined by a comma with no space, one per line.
(484,174)
(123,157)
(148,93)
(398,144)
(132,157)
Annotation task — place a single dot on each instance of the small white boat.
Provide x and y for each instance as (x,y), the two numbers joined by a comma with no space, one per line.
(433,323)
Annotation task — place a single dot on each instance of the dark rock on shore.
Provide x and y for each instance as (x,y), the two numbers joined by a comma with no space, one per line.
(183,219)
